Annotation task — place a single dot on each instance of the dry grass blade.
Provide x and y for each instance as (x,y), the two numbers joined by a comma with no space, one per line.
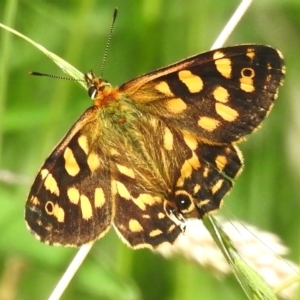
(196,244)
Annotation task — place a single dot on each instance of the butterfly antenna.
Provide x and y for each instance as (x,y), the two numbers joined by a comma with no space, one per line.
(54,76)
(108,40)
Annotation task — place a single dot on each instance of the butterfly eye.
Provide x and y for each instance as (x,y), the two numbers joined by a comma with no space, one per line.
(92,91)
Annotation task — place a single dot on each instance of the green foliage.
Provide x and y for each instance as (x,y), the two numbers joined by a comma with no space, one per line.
(35,112)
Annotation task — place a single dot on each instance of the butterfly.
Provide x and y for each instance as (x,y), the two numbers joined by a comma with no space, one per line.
(156,151)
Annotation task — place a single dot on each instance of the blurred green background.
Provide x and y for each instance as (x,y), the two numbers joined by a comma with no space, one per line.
(36,112)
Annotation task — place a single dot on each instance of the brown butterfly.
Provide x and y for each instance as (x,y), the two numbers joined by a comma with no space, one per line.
(156,151)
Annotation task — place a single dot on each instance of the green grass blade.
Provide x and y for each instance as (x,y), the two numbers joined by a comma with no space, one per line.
(62,64)
(252,284)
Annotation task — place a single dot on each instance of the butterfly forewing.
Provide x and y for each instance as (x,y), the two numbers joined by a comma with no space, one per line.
(156,151)
(70,200)
(220,96)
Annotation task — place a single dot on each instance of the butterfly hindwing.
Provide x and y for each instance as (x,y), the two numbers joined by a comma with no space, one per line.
(143,181)
(186,180)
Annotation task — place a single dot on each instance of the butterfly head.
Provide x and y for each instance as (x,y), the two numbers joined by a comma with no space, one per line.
(99,89)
